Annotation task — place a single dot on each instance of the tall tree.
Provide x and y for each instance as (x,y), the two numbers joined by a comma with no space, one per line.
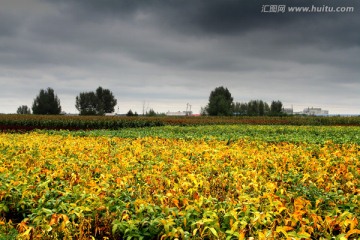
(266,109)
(276,108)
(86,103)
(23,110)
(106,101)
(95,103)
(253,108)
(46,103)
(151,113)
(237,109)
(261,108)
(130,113)
(220,102)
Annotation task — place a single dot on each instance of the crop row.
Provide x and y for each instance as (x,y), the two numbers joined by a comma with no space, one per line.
(268,133)
(72,187)
(30,122)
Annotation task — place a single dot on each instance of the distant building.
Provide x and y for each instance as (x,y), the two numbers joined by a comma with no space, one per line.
(315,112)
(178,113)
(288,111)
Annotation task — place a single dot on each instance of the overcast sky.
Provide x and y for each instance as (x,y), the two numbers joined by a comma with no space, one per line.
(163,54)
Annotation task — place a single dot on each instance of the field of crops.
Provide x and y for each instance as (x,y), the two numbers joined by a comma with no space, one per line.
(193,182)
(22,123)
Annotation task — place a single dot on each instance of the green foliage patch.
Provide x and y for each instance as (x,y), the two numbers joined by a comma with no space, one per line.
(276,133)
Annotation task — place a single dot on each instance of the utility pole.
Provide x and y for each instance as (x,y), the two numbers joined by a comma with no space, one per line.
(188,109)
(143,108)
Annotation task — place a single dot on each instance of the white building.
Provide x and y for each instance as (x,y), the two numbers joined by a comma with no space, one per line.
(315,111)
(288,111)
(178,113)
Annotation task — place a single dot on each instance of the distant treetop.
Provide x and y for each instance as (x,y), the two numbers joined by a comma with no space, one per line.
(46,103)
(96,103)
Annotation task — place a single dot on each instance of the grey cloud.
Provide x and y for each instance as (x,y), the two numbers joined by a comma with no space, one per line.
(8,24)
(212,16)
(172,50)
(190,21)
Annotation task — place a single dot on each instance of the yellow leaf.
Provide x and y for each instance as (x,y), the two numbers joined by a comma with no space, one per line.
(176,202)
(196,195)
(101,208)
(353,231)
(54,219)
(283,230)
(281,209)
(261,236)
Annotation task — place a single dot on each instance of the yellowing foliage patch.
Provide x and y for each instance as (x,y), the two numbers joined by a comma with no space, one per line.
(70,187)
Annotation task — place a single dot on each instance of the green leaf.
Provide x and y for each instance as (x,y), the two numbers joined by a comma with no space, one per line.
(114,228)
(214,232)
(4,208)
(47,211)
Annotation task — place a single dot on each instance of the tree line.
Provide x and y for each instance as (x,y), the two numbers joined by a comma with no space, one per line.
(221,103)
(98,102)
(102,101)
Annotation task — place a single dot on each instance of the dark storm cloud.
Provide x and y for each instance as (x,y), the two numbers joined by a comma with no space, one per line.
(8,24)
(228,21)
(114,26)
(234,24)
(233,17)
(225,17)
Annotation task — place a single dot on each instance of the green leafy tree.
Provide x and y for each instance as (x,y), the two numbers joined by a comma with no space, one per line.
(130,113)
(151,113)
(46,103)
(106,101)
(95,103)
(266,109)
(240,109)
(276,108)
(23,110)
(220,102)
(261,108)
(253,108)
(86,103)
(258,108)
